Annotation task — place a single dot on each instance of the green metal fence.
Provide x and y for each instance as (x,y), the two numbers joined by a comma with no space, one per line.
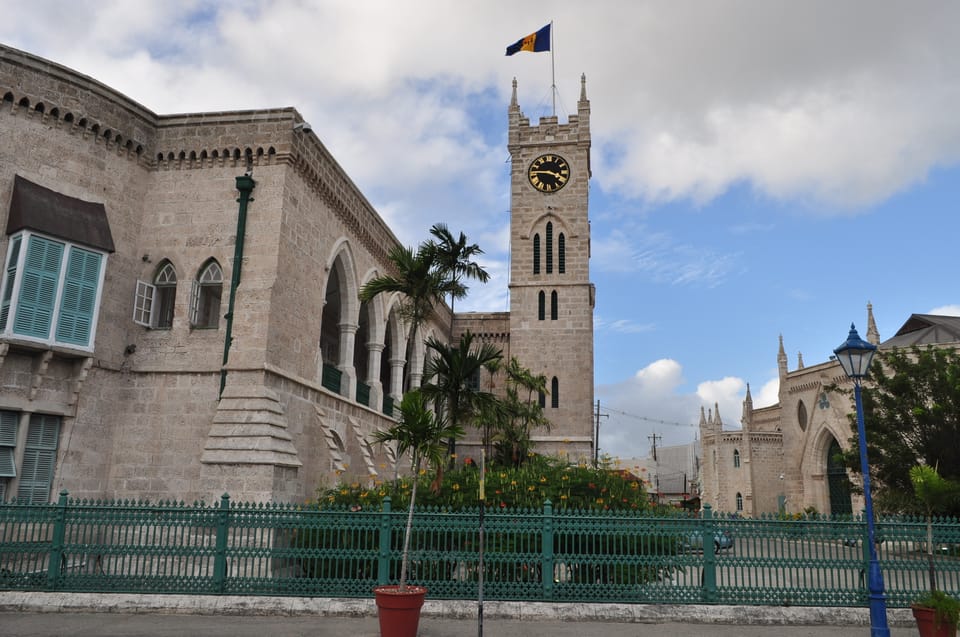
(540,554)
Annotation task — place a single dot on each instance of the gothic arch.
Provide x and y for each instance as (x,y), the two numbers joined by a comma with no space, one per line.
(813,466)
(559,225)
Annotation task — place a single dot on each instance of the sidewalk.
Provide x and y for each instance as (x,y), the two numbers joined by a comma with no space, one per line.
(88,614)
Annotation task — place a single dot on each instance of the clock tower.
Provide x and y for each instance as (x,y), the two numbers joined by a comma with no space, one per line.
(551,296)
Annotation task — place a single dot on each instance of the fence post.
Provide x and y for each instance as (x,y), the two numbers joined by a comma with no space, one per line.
(546,551)
(220,550)
(56,546)
(383,562)
(709,591)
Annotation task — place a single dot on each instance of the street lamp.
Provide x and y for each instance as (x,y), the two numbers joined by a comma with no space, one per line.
(855,355)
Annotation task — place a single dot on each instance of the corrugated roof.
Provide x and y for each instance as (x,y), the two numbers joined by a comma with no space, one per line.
(925,329)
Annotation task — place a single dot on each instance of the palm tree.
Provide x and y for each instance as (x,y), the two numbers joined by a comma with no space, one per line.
(451,379)
(421,283)
(522,413)
(454,257)
(421,433)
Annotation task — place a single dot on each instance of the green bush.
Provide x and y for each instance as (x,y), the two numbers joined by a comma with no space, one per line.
(541,478)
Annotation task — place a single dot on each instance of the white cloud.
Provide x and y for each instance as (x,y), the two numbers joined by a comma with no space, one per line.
(946,310)
(653,402)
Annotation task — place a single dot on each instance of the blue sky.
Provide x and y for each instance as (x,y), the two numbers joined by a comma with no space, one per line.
(758,168)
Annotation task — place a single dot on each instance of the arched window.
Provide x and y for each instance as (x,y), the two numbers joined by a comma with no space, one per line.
(561,254)
(739,502)
(207,290)
(736,458)
(554,393)
(536,253)
(553,305)
(154,302)
(549,247)
(802,415)
(166,284)
(541,305)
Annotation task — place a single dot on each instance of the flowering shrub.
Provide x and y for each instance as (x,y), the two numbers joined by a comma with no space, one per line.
(541,478)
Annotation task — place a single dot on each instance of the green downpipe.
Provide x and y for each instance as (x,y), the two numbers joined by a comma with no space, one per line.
(245,184)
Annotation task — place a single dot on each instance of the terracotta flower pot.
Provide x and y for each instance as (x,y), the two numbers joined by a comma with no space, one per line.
(927,623)
(399,613)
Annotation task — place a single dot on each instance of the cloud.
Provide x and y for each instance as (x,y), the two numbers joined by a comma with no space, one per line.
(946,310)
(634,248)
(653,402)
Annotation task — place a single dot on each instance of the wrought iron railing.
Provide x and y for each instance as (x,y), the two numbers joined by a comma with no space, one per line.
(541,554)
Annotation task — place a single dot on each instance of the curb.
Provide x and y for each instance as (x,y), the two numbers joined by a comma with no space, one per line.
(33,602)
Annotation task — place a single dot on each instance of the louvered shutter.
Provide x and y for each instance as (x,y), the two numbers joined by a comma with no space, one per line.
(8,442)
(39,458)
(9,280)
(38,291)
(77,306)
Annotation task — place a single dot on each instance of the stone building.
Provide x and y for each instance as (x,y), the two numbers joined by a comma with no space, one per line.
(180,314)
(783,458)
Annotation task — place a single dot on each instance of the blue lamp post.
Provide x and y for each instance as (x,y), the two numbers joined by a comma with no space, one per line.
(855,355)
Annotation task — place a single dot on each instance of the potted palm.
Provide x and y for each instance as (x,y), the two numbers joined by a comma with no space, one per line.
(936,612)
(421,433)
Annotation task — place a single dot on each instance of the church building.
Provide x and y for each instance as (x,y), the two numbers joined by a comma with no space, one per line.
(784,457)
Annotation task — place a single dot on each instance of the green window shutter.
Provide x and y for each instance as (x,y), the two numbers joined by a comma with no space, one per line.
(39,458)
(8,442)
(79,301)
(11,278)
(38,291)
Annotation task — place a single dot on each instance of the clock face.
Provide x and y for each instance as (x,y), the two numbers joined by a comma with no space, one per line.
(548,173)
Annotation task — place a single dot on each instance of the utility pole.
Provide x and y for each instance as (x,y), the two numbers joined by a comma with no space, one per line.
(596,436)
(654,438)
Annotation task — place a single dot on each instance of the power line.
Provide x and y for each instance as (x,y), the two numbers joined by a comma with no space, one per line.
(654,420)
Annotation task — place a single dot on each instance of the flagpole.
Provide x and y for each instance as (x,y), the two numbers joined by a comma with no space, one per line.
(553,72)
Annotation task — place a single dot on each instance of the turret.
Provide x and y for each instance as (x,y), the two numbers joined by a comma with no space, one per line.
(873,334)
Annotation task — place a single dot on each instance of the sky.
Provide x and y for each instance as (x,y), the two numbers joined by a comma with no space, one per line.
(760,169)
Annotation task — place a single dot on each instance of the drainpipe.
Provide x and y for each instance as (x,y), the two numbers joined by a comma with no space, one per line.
(245,184)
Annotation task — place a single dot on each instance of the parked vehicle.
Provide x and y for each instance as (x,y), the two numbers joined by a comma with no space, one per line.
(694,541)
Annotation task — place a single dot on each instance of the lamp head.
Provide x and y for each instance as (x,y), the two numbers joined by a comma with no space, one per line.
(855,355)
(302,127)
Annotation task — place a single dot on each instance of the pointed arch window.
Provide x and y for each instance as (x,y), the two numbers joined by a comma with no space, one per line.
(554,393)
(205,300)
(536,253)
(739,502)
(561,254)
(553,305)
(736,458)
(541,305)
(549,247)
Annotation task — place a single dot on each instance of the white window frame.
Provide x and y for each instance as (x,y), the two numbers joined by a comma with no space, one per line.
(26,236)
(144,300)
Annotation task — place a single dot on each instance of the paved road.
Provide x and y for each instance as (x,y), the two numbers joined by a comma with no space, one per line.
(14,624)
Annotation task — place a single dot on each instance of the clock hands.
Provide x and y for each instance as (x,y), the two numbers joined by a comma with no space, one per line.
(553,174)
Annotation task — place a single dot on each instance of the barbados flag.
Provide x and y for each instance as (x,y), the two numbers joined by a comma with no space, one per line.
(535,42)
